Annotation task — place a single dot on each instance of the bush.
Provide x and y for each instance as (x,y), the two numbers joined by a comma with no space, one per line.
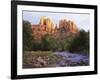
(27,36)
(48,43)
(80,43)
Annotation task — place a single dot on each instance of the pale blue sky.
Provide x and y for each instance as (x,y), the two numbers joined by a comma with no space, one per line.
(82,20)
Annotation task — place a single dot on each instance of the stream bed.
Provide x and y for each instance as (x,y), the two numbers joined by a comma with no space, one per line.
(72,59)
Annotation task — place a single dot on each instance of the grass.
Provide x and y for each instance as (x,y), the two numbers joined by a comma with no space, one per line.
(39,53)
(29,55)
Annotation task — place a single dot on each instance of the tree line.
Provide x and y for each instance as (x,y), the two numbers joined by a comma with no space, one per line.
(48,43)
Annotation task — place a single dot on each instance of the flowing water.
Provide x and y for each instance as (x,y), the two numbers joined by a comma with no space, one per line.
(72,59)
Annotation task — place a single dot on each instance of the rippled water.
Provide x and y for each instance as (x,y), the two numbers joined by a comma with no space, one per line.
(72,59)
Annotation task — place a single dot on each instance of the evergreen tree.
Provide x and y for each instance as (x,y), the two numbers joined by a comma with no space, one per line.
(27,36)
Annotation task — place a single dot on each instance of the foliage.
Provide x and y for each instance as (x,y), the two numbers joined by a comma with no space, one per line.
(27,36)
(48,43)
(36,46)
(80,43)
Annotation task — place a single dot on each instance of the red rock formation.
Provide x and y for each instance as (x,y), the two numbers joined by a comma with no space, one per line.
(69,26)
(47,22)
(46,26)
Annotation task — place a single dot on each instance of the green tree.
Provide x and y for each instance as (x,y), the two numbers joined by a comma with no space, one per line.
(80,43)
(36,46)
(27,36)
(48,43)
(67,42)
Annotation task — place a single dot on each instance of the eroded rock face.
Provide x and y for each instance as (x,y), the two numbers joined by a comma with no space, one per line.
(69,26)
(46,26)
(47,22)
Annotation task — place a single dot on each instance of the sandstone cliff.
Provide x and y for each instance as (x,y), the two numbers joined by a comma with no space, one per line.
(47,22)
(69,26)
(46,26)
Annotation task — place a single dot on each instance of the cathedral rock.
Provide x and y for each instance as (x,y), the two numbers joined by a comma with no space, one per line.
(68,26)
(45,21)
(46,26)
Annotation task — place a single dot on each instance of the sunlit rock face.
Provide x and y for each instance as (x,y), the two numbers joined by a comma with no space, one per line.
(68,26)
(47,22)
(46,26)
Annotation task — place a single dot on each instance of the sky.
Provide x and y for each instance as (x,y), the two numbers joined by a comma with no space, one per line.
(81,20)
